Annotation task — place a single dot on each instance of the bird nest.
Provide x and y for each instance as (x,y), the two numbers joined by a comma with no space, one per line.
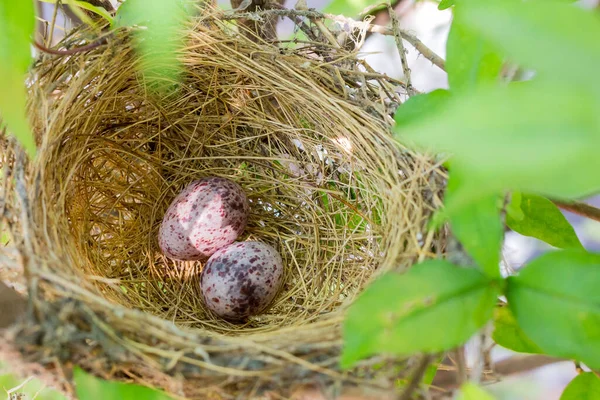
(304,130)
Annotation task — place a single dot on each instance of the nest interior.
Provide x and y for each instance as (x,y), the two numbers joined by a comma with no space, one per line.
(305,132)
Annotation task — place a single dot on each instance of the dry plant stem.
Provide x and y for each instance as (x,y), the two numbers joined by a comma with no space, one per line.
(461,366)
(416,378)
(582,209)
(413,40)
(401,50)
(52,25)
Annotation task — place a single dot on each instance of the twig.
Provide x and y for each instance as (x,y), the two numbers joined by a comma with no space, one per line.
(69,52)
(585,210)
(511,366)
(401,50)
(416,378)
(413,40)
(53,24)
(461,366)
(479,364)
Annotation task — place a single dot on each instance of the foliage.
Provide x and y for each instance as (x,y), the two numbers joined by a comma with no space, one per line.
(508,333)
(32,388)
(86,6)
(536,216)
(16,27)
(413,306)
(158,39)
(530,140)
(585,386)
(556,296)
(469,391)
(91,388)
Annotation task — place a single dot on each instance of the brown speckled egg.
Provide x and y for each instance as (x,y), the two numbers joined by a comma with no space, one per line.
(241,279)
(208,214)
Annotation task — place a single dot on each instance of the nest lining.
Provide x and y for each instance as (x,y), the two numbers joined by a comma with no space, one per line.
(309,144)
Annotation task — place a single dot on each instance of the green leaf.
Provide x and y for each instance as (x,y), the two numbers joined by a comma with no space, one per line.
(556,302)
(89,387)
(543,220)
(349,7)
(470,391)
(444,4)
(431,371)
(420,105)
(513,208)
(402,314)
(585,386)
(507,333)
(478,227)
(158,38)
(557,39)
(17,23)
(101,11)
(471,60)
(521,137)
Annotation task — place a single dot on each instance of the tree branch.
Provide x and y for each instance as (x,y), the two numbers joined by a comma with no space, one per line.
(585,210)
(413,40)
(416,378)
(68,52)
(511,366)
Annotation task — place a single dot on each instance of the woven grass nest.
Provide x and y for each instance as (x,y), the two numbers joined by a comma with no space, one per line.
(306,132)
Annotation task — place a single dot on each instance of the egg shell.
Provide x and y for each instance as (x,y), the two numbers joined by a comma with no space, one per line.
(241,279)
(207,215)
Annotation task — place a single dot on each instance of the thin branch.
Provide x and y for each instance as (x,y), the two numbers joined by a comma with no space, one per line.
(510,366)
(401,49)
(416,378)
(69,52)
(585,210)
(413,40)
(461,366)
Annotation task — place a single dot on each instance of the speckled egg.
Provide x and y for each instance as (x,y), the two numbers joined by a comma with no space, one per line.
(241,279)
(207,215)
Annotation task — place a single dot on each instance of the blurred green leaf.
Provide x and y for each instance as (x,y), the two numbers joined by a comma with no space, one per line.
(556,302)
(432,370)
(17,23)
(444,4)
(521,137)
(507,333)
(557,39)
(420,105)
(470,391)
(543,220)
(101,11)
(402,313)
(585,386)
(32,388)
(89,387)
(349,7)
(158,37)
(478,227)
(513,208)
(471,60)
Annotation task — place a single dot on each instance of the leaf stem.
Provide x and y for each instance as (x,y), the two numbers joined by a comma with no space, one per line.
(582,209)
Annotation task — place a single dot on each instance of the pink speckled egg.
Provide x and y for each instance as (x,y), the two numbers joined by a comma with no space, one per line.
(241,279)
(208,214)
